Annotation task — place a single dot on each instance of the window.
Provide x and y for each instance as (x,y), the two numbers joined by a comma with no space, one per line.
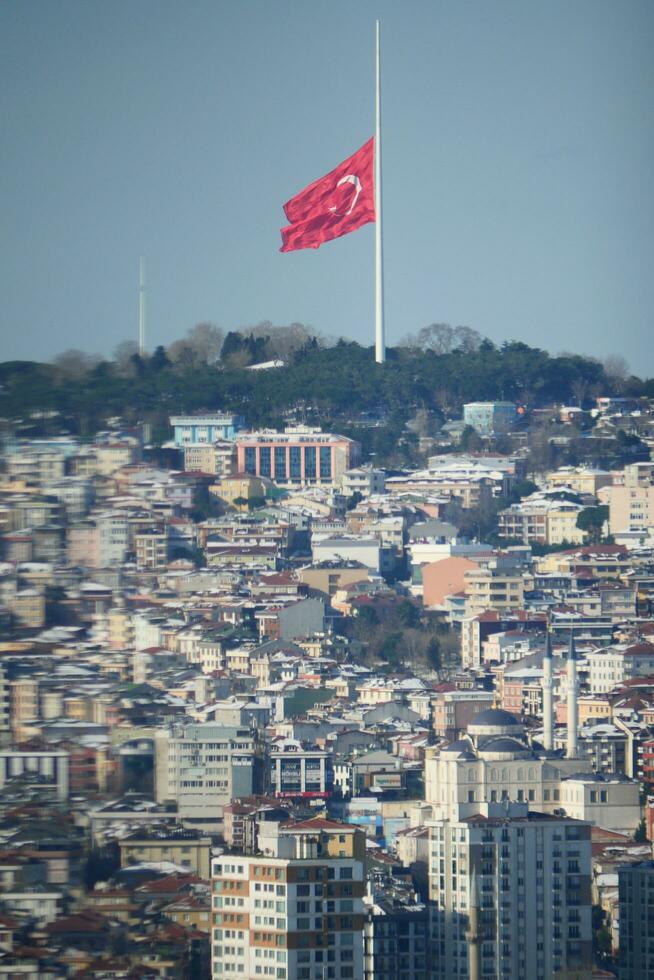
(325,463)
(265,461)
(345,873)
(250,460)
(294,461)
(310,462)
(280,462)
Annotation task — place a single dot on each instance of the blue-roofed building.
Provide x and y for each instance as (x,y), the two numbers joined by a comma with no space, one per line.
(207,427)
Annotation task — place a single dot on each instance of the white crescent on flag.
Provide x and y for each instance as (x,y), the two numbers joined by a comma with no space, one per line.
(354,180)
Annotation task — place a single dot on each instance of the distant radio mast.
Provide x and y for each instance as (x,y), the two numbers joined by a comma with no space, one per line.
(141,306)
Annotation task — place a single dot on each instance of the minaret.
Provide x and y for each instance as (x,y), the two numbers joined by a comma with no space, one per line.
(548,741)
(573,694)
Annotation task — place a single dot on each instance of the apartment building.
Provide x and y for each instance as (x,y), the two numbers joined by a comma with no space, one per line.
(51,767)
(202,767)
(636,896)
(294,910)
(205,428)
(541,519)
(490,418)
(631,508)
(493,589)
(476,629)
(177,845)
(216,457)
(298,770)
(365,480)
(610,666)
(512,895)
(152,548)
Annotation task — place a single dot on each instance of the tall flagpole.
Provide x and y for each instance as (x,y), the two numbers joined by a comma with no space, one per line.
(141,306)
(380,345)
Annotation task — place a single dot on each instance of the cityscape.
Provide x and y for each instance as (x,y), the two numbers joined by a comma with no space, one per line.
(326,508)
(272,708)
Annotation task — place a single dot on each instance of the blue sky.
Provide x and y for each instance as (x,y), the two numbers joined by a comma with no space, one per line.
(518,162)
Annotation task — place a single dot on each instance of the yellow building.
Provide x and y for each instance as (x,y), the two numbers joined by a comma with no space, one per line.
(487,588)
(579,478)
(593,706)
(185,848)
(239,488)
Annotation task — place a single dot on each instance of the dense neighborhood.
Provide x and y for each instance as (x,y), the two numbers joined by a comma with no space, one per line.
(273,705)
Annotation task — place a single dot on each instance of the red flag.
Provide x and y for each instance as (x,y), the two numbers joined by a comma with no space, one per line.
(334,205)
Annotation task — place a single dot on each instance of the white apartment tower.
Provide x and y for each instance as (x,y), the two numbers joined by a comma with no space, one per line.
(511,895)
(294,910)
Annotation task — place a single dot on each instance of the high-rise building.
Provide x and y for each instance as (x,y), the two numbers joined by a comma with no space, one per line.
(636,896)
(511,894)
(294,910)
(203,767)
(396,933)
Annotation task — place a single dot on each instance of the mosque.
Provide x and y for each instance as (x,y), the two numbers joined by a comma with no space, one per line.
(496,762)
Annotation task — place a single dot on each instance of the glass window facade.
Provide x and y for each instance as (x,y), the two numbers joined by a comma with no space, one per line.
(294,462)
(250,460)
(325,463)
(310,462)
(265,468)
(280,463)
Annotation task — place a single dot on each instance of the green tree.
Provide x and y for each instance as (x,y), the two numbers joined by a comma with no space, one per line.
(641,832)
(592,520)
(470,440)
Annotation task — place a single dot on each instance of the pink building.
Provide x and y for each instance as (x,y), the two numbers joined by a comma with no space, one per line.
(296,457)
(443,578)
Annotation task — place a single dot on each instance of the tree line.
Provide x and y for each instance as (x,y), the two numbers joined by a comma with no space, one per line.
(333,383)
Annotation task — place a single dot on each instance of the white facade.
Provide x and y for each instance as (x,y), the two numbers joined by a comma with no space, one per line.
(287,913)
(610,666)
(203,767)
(511,892)
(610,801)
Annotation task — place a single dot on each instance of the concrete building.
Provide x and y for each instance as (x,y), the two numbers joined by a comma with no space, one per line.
(216,457)
(367,551)
(176,845)
(493,589)
(203,767)
(475,630)
(293,910)
(542,519)
(152,548)
(50,766)
(4,708)
(396,938)
(452,711)
(330,577)
(512,895)
(299,456)
(636,896)
(298,770)
(364,480)
(490,418)
(613,665)
(205,428)
(631,500)
(443,578)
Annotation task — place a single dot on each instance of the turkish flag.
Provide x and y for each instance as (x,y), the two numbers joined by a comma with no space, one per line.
(334,205)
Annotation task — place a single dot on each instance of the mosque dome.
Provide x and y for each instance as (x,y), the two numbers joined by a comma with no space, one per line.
(494,721)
